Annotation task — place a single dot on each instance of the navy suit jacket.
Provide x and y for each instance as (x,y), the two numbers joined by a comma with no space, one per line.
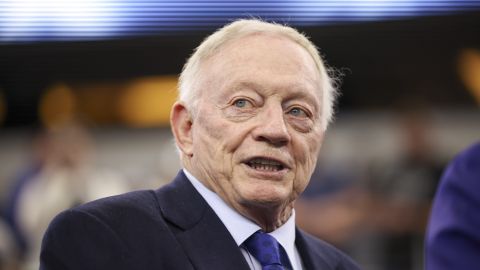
(169,228)
(453,235)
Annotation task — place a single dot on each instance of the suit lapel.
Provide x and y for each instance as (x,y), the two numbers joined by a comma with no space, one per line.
(310,258)
(200,232)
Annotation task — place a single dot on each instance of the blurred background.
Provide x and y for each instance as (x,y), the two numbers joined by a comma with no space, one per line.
(86,88)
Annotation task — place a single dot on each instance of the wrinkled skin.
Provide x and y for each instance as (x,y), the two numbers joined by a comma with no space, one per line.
(259,98)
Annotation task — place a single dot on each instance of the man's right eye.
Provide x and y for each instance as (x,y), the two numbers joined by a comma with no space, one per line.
(241,103)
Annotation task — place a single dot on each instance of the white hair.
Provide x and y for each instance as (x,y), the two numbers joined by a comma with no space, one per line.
(241,28)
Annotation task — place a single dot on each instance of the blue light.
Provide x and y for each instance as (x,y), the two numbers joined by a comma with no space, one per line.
(33,20)
(45,19)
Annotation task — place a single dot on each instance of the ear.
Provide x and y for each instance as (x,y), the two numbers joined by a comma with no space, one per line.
(181,122)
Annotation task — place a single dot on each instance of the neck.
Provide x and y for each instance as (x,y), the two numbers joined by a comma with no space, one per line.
(268,218)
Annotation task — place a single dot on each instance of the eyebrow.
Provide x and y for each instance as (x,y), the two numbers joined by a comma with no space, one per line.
(237,86)
(309,98)
(246,84)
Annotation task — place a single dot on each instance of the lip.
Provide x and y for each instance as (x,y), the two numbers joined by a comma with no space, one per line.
(283,163)
(271,175)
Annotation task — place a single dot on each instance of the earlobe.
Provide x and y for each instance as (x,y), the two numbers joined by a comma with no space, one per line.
(181,122)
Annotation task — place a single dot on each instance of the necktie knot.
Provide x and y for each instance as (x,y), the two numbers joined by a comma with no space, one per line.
(267,251)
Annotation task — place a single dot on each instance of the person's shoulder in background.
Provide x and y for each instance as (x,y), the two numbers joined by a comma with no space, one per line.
(453,237)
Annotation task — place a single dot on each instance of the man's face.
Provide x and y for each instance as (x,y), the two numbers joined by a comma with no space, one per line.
(257,130)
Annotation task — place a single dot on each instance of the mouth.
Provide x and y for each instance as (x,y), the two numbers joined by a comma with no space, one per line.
(265,164)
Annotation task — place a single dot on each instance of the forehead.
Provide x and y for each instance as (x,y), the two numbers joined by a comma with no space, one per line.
(265,48)
(268,60)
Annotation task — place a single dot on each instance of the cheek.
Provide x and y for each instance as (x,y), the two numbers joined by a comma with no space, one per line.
(219,131)
(307,154)
(207,139)
(207,125)
(306,150)
(215,140)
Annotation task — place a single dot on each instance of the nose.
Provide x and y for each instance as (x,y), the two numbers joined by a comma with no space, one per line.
(271,127)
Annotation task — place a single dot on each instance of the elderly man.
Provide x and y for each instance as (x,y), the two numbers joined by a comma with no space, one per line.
(255,101)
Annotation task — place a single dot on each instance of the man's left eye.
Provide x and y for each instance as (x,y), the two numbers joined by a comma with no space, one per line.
(298,112)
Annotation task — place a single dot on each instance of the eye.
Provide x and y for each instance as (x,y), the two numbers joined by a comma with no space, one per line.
(242,103)
(297,112)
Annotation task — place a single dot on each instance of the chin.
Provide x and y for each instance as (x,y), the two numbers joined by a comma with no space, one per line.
(266,196)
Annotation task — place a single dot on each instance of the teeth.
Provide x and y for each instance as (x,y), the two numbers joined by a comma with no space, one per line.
(270,168)
(265,162)
(265,165)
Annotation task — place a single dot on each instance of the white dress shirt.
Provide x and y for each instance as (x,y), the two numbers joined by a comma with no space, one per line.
(241,228)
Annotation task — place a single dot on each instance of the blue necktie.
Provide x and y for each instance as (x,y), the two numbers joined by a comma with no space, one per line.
(267,251)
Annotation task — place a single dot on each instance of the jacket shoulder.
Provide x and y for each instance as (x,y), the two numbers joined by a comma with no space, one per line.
(119,207)
(117,232)
(76,237)
(321,250)
(130,217)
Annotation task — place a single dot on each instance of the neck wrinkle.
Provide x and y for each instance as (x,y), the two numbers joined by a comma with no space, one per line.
(269,220)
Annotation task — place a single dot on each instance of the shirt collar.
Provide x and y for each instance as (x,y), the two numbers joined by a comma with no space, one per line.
(241,227)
